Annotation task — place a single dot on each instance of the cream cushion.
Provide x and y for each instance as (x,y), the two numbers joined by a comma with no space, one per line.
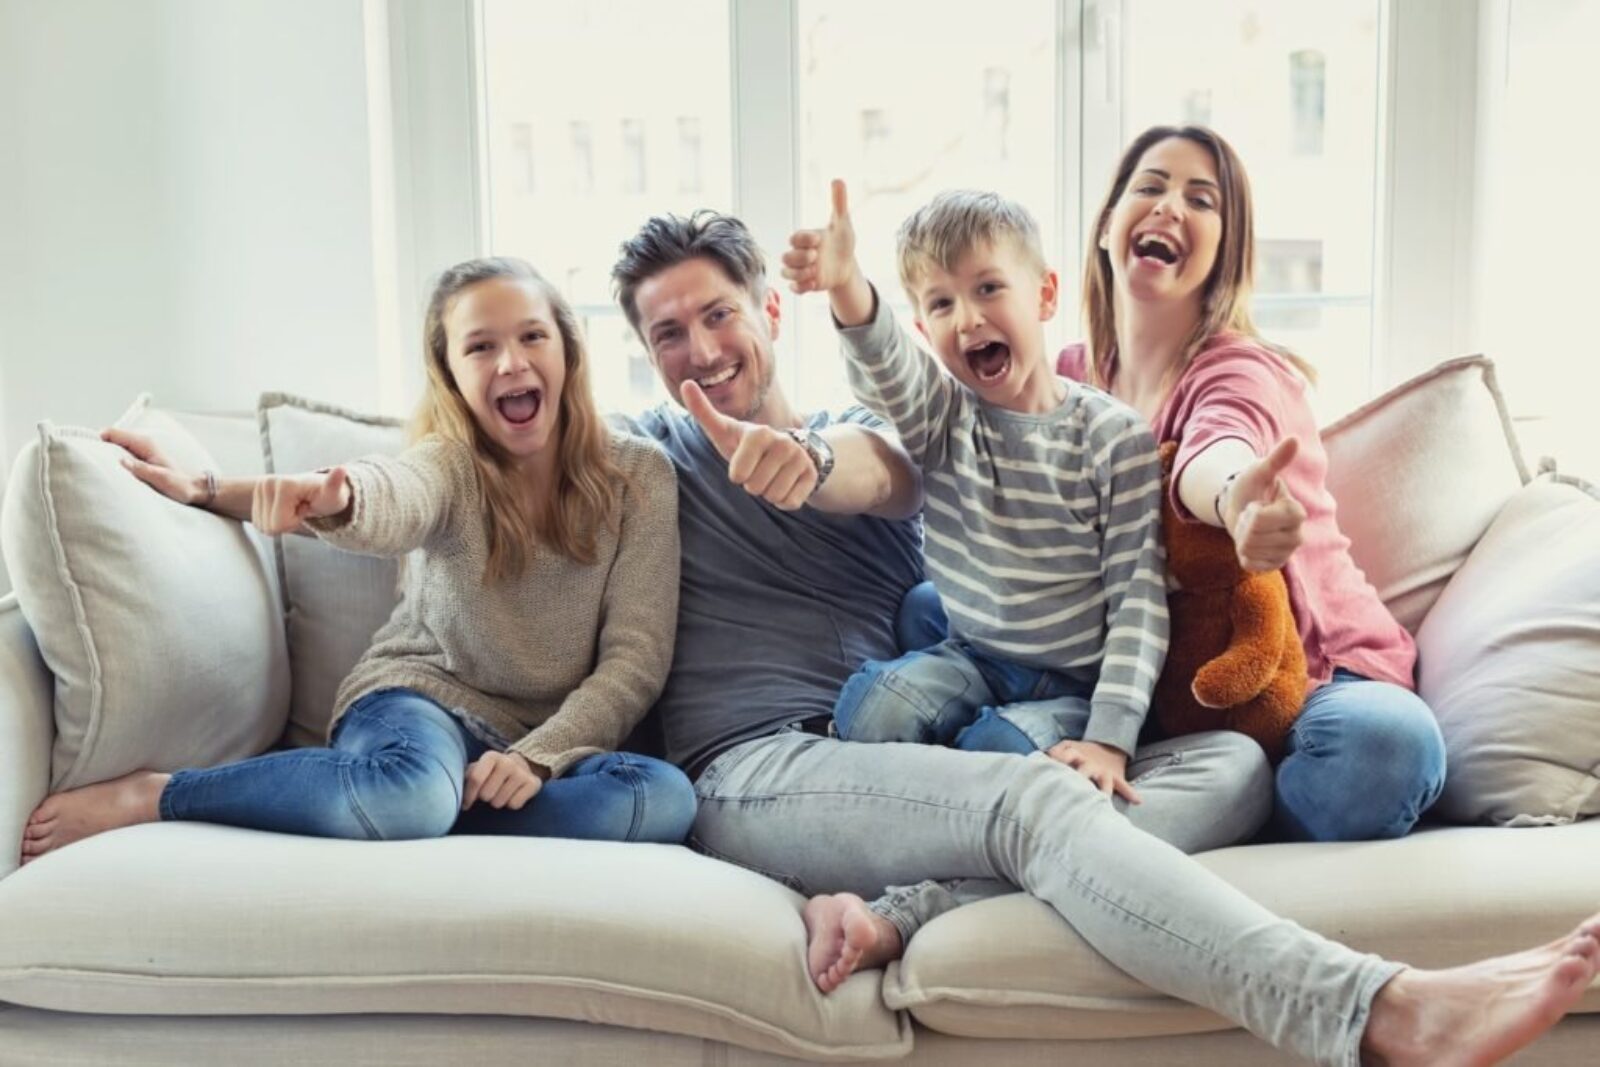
(1010,967)
(1509,660)
(189,919)
(334,600)
(157,620)
(1419,473)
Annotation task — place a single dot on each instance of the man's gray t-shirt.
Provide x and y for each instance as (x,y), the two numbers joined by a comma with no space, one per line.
(775,608)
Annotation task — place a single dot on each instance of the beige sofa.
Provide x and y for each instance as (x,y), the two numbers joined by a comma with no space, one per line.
(186,943)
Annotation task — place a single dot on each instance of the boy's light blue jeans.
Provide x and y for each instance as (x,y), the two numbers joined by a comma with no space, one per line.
(395,771)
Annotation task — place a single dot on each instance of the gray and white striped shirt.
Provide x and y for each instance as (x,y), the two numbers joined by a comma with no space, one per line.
(1043,532)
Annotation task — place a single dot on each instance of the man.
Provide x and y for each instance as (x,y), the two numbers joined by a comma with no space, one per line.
(799,541)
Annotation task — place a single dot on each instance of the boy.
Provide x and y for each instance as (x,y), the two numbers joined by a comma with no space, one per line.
(1041,498)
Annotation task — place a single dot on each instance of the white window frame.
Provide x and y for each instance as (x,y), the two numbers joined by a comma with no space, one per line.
(434,200)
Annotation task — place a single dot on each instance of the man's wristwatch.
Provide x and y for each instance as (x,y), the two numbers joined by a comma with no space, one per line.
(818,449)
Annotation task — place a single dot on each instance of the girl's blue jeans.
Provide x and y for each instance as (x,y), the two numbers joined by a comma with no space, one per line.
(395,770)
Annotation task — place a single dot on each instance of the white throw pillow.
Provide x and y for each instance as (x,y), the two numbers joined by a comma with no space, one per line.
(334,600)
(157,620)
(1510,663)
(1419,473)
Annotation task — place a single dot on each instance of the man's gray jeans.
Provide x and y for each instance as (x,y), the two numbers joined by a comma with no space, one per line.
(1198,792)
(823,815)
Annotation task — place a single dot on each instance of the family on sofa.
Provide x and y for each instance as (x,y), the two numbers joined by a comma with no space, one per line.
(529,525)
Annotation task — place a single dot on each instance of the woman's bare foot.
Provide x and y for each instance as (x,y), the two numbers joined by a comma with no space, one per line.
(62,818)
(1479,1014)
(843,936)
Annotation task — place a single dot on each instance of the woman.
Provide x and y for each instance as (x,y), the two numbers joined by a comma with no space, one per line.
(1166,302)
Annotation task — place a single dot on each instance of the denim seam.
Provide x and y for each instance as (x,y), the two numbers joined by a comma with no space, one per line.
(629,773)
(1382,973)
(1207,954)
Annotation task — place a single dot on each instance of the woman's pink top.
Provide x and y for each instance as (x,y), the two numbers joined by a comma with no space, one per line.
(1236,387)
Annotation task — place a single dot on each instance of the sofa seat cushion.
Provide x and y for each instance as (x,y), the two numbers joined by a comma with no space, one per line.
(191,919)
(1009,967)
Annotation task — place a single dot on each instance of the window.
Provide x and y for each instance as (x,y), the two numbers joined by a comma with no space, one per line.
(689,166)
(633,162)
(996,108)
(634,114)
(582,158)
(522,155)
(570,224)
(1312,183)
(901,106)
(1307,84)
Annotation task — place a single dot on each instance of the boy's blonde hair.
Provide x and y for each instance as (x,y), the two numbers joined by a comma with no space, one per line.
(956,221)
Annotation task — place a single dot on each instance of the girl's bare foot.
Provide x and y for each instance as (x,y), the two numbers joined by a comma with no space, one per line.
(1479,1014)
(843,936)
(62,818)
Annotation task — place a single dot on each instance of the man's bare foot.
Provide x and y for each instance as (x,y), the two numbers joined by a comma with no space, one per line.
(62,818)
(843,936)
(1479,1014)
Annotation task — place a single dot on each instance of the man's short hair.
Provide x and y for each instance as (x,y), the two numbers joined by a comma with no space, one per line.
(953,223)
(667,240)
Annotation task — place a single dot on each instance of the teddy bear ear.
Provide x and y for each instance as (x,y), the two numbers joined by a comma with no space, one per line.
(1168,452)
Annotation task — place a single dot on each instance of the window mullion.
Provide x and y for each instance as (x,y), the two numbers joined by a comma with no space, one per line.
(765,135)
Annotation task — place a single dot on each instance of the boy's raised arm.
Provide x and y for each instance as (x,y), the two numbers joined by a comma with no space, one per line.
(825,260)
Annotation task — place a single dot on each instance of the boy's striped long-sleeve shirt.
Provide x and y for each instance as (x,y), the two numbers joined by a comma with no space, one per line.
(1043,532)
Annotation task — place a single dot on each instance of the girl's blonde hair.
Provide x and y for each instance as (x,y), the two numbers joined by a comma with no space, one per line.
(586,495)
(1225,299)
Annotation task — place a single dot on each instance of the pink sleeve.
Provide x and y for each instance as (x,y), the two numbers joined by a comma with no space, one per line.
(1071,363)
(1232,393)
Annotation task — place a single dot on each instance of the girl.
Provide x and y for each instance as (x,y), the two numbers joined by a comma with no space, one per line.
(533,631)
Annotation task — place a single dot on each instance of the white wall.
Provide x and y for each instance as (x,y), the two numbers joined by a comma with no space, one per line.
(1536,278)
(187,206)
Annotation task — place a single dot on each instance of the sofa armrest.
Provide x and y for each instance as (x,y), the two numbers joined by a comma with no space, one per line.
(27,730)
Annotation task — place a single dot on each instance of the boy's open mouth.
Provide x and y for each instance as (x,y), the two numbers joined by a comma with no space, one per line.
(989,362)
(521,408)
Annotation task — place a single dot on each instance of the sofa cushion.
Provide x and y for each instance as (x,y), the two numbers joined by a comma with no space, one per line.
(334,600)
(1510,663)
(157,620)
(188,919)
(1009,967)
(1419,474)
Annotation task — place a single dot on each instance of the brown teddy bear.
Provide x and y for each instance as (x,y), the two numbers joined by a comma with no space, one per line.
(1235,661)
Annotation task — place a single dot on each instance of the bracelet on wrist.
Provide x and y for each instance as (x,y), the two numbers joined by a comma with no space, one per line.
(1216,503)
(208,492)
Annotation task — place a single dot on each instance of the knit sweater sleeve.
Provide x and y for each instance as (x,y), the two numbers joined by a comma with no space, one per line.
(399,503)
(638,623)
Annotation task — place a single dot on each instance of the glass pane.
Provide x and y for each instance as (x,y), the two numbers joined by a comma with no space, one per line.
(586,139)
(1294,89)
(902,106)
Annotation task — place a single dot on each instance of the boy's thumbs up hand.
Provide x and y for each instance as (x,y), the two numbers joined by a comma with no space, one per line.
(1265,520)
(766,462)
(824,259)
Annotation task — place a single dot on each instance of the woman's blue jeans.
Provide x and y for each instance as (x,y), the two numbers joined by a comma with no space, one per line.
(1365,758)
(395,771)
